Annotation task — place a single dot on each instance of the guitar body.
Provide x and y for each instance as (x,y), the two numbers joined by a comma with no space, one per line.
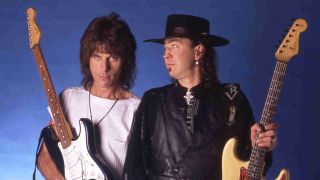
(235,169)
(81,159)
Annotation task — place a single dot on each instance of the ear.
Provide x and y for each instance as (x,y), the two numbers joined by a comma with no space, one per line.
(199,51)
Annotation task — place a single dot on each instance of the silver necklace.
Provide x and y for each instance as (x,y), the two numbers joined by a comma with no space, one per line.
(188,97)
(107,111)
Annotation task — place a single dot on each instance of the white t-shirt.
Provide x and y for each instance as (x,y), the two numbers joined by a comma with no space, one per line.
(114,128)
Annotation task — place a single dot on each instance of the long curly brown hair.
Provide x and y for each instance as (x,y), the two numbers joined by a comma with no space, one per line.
(113,35)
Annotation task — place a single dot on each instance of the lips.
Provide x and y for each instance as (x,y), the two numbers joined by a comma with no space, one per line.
(104,77)
(169,65)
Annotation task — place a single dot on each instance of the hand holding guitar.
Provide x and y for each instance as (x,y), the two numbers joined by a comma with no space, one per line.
(267,135)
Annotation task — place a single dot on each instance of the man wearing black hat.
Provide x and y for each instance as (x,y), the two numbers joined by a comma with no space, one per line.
(180,129)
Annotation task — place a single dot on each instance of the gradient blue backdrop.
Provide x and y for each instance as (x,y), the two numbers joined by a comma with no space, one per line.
(253,27)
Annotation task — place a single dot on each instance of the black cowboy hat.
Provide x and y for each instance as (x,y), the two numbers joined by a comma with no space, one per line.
(197,28)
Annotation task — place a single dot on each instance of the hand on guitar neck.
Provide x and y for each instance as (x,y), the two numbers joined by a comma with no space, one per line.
(265,137)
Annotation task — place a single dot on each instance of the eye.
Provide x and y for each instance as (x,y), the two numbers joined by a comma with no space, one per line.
(114,58)
(96,56)
(174,46)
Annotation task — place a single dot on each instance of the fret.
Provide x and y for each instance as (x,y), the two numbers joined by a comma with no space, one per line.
(277,90)
(271,105)
(276,85)
(267,118)
(268,112)
(257,157)
(272,98)
(279,72)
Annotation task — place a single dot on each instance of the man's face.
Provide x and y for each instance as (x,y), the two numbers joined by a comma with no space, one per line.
(179,57)
(105,69)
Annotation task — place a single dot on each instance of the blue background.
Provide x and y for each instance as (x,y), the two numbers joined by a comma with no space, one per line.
(253,27)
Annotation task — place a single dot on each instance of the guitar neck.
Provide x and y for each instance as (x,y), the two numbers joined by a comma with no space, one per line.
(63,129)
(256,162)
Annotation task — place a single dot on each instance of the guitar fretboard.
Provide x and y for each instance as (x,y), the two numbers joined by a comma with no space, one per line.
(256,162)
(62,127)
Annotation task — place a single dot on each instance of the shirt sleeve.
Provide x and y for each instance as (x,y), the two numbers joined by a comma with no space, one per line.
(135,167)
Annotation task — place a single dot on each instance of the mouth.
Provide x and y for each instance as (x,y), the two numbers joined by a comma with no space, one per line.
(105,78)
(169,65)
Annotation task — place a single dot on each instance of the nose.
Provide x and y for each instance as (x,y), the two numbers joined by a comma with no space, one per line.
(166,54)
(105,65)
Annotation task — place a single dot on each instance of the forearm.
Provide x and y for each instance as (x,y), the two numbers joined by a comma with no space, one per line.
(46,165)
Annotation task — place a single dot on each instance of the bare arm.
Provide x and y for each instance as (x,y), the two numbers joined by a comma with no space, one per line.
(46,165)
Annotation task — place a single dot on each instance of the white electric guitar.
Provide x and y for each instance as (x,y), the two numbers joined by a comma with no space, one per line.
(232,167)
(80,157)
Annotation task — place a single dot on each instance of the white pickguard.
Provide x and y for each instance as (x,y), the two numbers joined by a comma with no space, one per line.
(78,164)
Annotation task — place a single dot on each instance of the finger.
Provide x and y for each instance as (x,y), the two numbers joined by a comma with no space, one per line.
(256,127)
(271,126)
(269,133)
(255,130)
(269,145)
(267,142)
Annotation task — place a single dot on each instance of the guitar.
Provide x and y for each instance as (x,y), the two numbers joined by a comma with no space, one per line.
(80,157)
(232,167)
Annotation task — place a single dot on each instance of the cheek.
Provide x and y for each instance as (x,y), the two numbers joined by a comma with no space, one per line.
(185,58)
(92,68)
(116,68)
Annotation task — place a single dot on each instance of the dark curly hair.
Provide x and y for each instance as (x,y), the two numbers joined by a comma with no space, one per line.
(111,34)
(208,64)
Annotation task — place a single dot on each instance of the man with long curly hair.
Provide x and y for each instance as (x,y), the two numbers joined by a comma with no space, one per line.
(108,66)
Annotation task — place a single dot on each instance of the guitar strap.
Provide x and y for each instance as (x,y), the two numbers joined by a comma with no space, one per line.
(230,99)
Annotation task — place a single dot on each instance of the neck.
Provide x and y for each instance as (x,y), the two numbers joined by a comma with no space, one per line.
(190,82)
(112,92)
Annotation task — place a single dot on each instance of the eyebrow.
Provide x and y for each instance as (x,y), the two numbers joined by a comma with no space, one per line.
(173,40)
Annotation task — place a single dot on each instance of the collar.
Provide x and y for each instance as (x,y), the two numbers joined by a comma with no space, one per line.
(197,91)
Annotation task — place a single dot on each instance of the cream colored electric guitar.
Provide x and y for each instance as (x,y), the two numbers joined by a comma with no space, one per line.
(232,167)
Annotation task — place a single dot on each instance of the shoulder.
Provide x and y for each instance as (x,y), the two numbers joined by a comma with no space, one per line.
(230,91)
(157,91)
(152,96)
(134,100)
(72,91)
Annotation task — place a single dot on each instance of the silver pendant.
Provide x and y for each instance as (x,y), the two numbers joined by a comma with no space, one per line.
(188,97)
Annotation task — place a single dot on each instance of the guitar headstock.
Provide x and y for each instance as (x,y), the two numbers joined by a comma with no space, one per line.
(33,29)
(289,46)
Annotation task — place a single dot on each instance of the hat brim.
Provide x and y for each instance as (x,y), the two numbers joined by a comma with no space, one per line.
(213,40)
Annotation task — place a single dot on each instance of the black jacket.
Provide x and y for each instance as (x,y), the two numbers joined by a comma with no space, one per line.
(161,147)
